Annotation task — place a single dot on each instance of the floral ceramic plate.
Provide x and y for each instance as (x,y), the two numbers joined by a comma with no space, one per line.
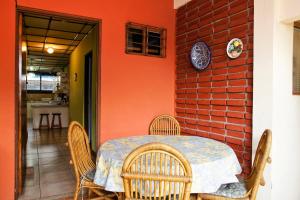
(234,48)
(200,55)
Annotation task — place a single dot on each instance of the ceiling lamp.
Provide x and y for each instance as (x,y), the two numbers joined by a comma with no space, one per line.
(24,47)
(50,50)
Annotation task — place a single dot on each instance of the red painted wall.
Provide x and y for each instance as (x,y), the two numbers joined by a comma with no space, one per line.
(134,89)
(217,102)
(7,99)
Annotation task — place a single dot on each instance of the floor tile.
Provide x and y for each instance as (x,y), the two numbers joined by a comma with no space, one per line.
(49,175)
(59,188)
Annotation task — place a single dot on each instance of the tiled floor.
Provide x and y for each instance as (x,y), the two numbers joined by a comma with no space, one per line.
(49,174)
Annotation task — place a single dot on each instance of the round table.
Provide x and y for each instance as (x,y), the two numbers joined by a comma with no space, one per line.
(213,163)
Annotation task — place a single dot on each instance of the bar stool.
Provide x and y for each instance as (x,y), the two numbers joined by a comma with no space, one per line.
(53,125)
(42,116)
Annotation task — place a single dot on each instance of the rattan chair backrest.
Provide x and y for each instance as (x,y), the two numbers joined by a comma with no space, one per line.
(164,125)
(156,171)
(80,150)
(262,156)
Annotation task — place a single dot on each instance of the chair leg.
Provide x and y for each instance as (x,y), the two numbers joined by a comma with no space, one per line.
(199,197)
(76,192)
(90,193)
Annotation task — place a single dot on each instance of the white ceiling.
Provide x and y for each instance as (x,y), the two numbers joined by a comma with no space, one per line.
(178,3)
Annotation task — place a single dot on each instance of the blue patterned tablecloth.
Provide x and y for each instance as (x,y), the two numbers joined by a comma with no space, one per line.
(213,163)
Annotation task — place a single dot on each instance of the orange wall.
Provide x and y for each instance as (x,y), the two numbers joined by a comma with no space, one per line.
(7,97)
(133,88)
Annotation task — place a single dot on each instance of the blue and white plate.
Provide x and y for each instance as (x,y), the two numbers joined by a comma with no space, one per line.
(200,55)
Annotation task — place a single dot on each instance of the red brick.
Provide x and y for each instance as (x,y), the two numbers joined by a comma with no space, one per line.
(237,76)
(235,114)
(218,107)
(240,82)
(203,112)
(220,13)
(236,120)
(203,95)
(204,89)
(235,134)
(192,14)
(205,19)
(238,19)
(218,90)
(219,96)
(237,108)
(234,127)
(235,102)
(219,3)
(219,119)
(236,89)
(218,102)
(237,62)
(217,137)
(234,141)
(204,128)
(221,25)
(217,125)
(193,25)
(216,65)
(237,6)
(218,131)
(217,113)
(219,84)
(191,121)
(203,123)
(219,78)
(205,102)
(193,111)
(236,96)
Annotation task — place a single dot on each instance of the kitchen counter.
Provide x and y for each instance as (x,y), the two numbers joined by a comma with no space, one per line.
(37,109)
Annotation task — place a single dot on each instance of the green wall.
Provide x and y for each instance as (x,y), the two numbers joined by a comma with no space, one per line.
(77,87)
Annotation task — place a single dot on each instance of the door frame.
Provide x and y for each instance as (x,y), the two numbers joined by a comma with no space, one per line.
(88,93)
(98,28)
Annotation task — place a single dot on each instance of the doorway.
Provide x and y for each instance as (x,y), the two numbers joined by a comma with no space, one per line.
(52,47)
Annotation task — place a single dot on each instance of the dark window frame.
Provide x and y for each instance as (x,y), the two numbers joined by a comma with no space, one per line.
(145,48)
(40,90)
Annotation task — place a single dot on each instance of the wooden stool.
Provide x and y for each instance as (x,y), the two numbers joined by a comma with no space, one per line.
(54,115)
(46,115)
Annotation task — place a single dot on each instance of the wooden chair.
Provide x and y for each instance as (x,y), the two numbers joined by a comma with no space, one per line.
(164,125)
(156,171)
(247,189)
(84,166)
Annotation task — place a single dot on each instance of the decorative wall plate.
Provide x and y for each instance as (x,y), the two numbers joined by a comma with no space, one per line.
(234,48)
(200,55)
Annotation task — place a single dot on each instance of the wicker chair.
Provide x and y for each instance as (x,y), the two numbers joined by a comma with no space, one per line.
(164,125)
(247,188)
(156,171)
(84,167)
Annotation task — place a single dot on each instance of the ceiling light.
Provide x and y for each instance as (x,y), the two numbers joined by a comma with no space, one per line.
(50,50)
(24,47)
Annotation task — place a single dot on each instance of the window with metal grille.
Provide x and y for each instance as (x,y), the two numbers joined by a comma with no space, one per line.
(296,59)
(145,40)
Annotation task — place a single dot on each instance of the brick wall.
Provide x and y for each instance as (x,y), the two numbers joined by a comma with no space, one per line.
(217,102)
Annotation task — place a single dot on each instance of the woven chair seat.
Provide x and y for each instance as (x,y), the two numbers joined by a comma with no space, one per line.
(90,175)
(232,190)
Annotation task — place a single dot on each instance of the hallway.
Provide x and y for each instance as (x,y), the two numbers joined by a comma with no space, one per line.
(49,174)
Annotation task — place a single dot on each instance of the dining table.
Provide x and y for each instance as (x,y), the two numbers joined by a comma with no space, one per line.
(213,163)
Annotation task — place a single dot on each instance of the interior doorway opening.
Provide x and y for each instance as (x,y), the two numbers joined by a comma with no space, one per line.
(57,77)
